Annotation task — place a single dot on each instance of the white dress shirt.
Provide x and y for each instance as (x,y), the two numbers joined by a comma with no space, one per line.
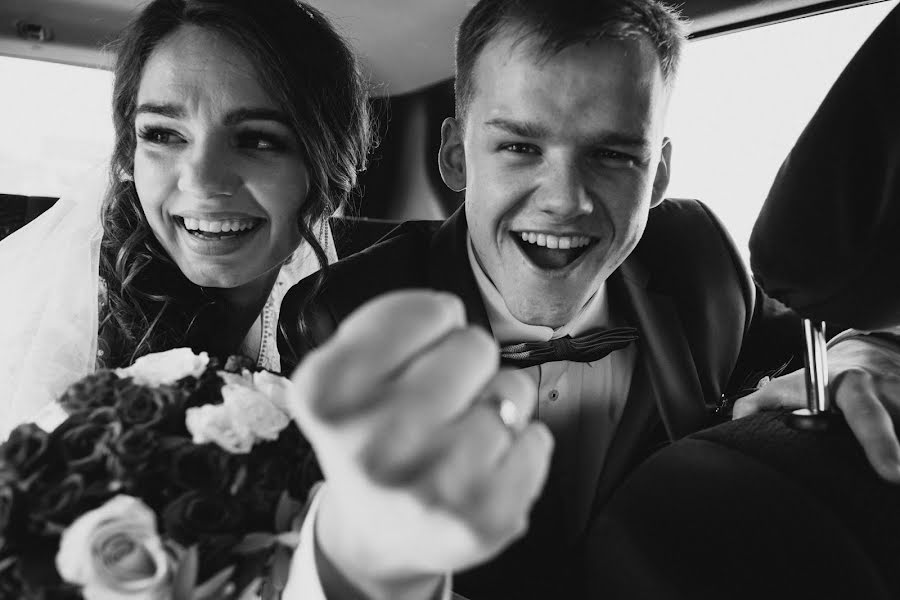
(581,404)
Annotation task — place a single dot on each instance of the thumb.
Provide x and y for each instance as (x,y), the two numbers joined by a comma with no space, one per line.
(788,391)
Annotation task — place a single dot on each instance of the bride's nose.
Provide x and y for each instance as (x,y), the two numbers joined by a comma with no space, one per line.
(205,171)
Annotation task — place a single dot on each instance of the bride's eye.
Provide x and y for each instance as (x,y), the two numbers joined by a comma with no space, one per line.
(158,135)
(253,140)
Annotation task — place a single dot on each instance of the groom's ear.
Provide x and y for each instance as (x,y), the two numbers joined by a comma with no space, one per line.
(452,155)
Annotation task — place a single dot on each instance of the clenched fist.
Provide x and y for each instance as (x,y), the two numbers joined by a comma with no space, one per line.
(424,476)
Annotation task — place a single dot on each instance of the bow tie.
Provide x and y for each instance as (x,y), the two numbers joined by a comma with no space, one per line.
(589,347)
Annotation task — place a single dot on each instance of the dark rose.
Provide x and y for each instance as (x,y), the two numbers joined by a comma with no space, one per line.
(59,502)
(206,389)
(105,415)
(194,516)
(206,468)
(7,503)
(25,447)
(266,482)
(84,446)
(141,406)
(133,449)
(93,391)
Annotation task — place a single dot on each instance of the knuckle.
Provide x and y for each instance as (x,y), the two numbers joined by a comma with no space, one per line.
(480,344)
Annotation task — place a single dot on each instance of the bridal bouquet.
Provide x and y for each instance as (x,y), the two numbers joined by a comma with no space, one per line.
(175,478)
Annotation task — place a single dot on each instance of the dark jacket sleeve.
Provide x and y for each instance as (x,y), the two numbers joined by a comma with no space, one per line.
(772,343)
(772,346)
(304,323)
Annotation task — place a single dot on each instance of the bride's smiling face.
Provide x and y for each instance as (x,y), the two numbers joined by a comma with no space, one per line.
(217,168)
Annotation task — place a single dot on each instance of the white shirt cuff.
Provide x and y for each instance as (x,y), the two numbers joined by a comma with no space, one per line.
(852,333)
(303,581)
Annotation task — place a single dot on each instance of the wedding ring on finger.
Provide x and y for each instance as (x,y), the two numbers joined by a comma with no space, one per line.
(509,414)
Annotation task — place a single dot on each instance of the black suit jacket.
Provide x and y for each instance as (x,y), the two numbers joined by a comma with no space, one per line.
(704,328)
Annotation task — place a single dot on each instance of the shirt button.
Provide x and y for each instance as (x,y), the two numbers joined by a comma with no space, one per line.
(553,395)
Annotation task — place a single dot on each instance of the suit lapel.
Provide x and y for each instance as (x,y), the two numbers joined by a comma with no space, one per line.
(449,268)
(664,383)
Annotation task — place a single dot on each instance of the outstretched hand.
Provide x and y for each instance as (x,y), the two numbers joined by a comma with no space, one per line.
(864,378)
(424,476)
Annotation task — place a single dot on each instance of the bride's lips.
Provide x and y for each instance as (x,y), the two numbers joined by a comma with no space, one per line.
(217,234)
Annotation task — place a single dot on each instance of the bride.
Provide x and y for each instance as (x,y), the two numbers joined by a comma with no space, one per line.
(238,130)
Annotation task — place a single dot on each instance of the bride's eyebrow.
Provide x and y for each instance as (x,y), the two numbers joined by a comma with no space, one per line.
(256,114)
(234,117)
(173,111)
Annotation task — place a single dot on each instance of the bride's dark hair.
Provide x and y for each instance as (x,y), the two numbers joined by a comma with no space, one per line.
(308,69)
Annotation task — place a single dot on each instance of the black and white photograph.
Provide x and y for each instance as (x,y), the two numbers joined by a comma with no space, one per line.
(449,299)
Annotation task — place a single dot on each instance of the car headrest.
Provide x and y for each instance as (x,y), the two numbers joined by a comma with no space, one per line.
(827,242)
(749,509)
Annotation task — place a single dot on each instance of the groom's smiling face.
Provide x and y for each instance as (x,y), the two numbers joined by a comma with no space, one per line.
(218,170)
(561,157)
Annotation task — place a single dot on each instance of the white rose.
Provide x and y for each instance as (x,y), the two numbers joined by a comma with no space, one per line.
(253,409)
(161,368)
(214,423)
(274,387)
(115,552)
(244,378)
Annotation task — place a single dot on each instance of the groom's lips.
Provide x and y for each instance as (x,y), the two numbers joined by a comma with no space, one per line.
(552,259)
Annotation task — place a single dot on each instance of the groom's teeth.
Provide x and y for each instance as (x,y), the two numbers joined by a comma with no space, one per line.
(548,240)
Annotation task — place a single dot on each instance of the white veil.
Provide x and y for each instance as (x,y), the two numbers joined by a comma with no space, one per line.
(48,310)
(49,304)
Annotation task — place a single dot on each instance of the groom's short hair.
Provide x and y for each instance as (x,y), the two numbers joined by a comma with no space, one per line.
(559,24)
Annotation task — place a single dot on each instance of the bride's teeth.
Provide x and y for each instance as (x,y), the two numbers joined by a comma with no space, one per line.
(565,243)
(552,241)
(217,226)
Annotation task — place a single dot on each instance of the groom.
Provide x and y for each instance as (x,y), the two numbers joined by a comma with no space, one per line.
(558,142)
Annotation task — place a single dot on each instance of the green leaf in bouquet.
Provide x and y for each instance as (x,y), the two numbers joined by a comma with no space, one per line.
(7,562)
(186,574)
(289,539)
(288,508)
(170,442)
(252,591)
(278,574)
(240,478)
(255,542)
(216,586)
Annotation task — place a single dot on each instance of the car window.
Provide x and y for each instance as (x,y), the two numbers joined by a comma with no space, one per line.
(742,99)
(55,124)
